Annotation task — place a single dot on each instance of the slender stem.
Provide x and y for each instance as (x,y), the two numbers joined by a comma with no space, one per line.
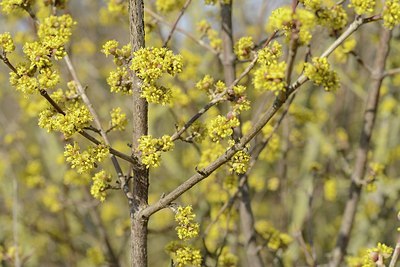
(391,72)
(171,32)
(357,176)
(85,99)
(178,29)
(396,254)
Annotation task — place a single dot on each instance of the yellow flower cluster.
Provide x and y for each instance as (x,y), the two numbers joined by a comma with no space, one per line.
(197,132)
(241,103)
(276,239)
(118,119)
(270,75)
(54,33)
(117,7)
(151,149)
(121,55)
(320,73)
(341,53)
(283,19)
(9,6)
(187,228)
(150,64)
(333,17)
(240,162)
(243,47)
(95,255)
(6,43)
(374,254)
(391,13)
(99,186)
(213,36)
(188,256)
(207,84)
(227,259)
(33,174)
(84,161)
(119,81)
(330,190)
(312,4)
(362,6)
(169,5)
(24,80)
(222,127)
(77,116)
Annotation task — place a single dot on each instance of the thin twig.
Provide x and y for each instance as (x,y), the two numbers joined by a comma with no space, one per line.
(396,254)
(178,29)
(309,258)
(391,72)
(85,99)
(171,32)
(361,61)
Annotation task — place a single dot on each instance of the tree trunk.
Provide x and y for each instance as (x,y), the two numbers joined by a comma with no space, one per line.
(140,126)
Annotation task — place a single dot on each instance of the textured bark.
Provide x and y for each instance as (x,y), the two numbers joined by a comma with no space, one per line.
(140,127)
(227,57)
(358,174)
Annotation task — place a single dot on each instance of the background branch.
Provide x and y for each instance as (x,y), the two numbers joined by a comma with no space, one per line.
(357,177)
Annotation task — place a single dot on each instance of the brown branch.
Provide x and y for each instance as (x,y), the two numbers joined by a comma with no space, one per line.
(357,177)
(85,99)
(391,72)
(178,29)
(361,61)
(4,58)
(265,118)
(171,32)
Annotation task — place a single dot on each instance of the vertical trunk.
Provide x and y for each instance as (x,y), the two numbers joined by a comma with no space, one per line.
(227,56)
(358,174)
(140,124)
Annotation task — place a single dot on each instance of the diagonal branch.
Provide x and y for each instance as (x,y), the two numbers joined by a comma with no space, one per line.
(171,32)
(81,91)
(264,119)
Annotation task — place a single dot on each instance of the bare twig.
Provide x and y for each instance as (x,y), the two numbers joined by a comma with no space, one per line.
(171,32)
(309,258)
(395,255)
(357,176)
(85,99)
(178,29)
(361,61)
(391,72)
